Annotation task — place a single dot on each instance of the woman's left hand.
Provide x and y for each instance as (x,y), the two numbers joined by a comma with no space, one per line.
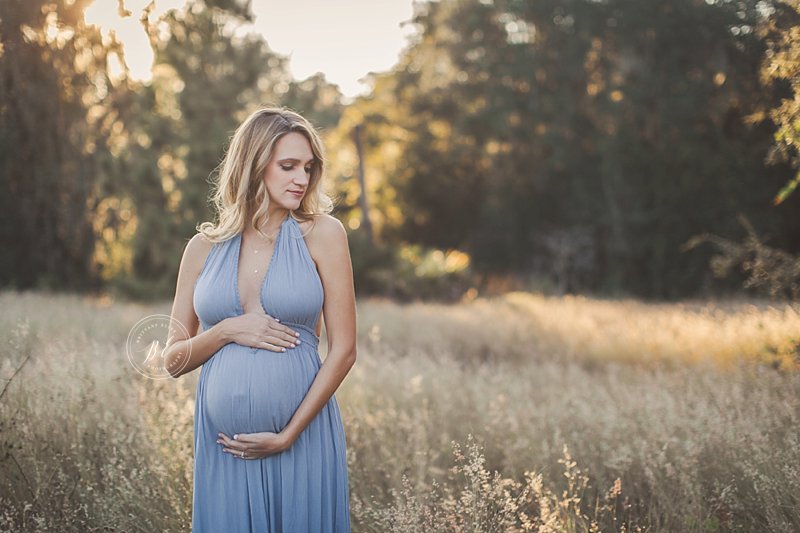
(254,445)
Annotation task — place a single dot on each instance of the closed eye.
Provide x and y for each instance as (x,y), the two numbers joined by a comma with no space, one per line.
(290,167)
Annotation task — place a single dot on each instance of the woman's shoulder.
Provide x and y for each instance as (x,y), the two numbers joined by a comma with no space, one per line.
(199,245)
(322,226)
(196,252)
(324,235)
(321,223)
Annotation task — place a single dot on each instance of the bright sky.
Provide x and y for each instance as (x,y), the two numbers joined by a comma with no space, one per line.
(343,39)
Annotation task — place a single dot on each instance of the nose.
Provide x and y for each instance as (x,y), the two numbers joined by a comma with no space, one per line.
(301,178)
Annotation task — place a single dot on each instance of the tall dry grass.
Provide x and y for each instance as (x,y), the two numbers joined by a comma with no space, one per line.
(517,413)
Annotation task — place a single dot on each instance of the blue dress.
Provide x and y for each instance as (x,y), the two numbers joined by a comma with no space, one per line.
(248,390)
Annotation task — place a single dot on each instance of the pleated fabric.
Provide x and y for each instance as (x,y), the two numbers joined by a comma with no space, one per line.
(248,390)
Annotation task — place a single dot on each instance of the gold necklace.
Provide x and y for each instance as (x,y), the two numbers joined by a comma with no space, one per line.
(269,239)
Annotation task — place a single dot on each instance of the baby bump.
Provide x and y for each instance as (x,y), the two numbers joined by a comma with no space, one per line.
(249,390)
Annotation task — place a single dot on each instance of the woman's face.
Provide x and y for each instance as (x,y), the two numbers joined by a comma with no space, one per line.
(288,173)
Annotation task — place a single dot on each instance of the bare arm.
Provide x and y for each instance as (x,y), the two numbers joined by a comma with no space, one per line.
(339,311)
(183,320)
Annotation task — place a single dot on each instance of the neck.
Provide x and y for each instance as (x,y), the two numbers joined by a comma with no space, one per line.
(275,218)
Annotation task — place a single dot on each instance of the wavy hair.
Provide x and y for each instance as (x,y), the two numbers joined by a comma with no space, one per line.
(239,195)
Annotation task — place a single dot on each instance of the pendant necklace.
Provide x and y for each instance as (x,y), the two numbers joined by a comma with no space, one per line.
(255,251)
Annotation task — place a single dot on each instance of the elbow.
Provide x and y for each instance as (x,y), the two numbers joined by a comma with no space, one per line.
(175,371)
(342,355)
(349,358)
(180,368)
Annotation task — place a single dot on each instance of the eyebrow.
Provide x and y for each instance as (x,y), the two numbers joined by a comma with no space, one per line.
(294,160)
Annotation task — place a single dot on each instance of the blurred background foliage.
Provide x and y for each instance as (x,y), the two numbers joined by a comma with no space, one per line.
(613,147)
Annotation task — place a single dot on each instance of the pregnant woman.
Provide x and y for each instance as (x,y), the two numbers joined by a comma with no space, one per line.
(269,442)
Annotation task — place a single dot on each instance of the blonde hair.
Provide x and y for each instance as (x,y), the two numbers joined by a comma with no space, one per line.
(240,196)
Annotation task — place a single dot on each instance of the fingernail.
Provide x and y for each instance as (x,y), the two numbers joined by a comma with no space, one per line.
(235,437)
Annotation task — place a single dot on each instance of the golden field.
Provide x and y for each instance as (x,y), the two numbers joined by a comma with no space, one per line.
(520,412)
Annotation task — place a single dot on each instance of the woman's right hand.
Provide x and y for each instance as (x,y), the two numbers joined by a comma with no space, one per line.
(259,330)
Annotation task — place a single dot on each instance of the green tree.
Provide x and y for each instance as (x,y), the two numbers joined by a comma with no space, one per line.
(206,79)
(782,64)
(607,133)
(53,77)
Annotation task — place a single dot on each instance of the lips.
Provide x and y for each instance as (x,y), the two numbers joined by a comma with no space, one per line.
(297,192)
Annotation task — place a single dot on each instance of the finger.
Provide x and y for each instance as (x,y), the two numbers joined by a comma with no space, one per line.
(293,336)
(271,347)
(231,446)
(280,341)
(237,448)
(284,329)
(283,333)
(226,445)
(225,440)
(235,452)
(287,335)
